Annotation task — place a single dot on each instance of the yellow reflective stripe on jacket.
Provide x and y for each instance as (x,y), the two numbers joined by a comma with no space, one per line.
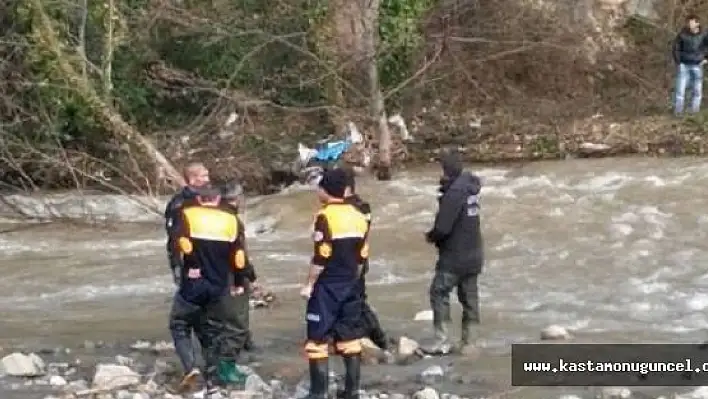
(213,224)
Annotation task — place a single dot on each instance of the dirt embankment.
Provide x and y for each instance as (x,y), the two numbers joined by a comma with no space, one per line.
(528,80)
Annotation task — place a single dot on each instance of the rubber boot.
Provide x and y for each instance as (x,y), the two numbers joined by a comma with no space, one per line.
(442,345)
(319,378)
(352,377)
(229,372)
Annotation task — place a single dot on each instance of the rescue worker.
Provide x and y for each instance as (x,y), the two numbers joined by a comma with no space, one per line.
(334,306)
(196,175)
(458,238)
(207,236)
(373,327)
(232,195)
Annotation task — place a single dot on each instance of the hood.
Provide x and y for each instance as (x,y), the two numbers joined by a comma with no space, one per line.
(468,183)
(451,164)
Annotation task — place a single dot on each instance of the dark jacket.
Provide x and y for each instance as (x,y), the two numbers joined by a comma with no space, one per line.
(213,254)
(457,232)
(689,48)
(365,208)
(171,212)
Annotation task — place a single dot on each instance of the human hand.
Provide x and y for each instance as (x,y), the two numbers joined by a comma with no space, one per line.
(306,291)
(234,291)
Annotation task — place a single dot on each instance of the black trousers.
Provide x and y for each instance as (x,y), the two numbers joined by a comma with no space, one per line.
(467,293)
(213,325)
(371,321)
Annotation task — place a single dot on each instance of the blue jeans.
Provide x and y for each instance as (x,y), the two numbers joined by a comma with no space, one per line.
(688,75)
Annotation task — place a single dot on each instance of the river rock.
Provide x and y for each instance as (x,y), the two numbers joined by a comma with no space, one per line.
(372,354)
(432,375)
(616,393)
(426,393)
(555,332)
(163,346)
(469,351)
(58,368)
(78,385)
(141,345)
(397,396)
(124,361)
(261,298)
(254,383)
(569,397)
(407,347)
(123,394)
(57,381)
(20,365)
(424,315)
(113,376)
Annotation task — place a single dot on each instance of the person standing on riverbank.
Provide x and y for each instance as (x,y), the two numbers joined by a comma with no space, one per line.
(207,237)
(232,195)
(373,327)
(689,54)
(334,305)
(458,238)
(196,175)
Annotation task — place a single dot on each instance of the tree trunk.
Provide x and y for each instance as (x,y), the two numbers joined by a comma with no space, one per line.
(112,119)
(376,100)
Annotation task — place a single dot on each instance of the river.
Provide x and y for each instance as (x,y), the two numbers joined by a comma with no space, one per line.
(613,249)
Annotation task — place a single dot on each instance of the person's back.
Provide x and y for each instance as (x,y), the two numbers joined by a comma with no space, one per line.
(206,240)
(207,237)
(334,305)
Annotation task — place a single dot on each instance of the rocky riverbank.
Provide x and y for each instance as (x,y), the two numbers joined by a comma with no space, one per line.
(145,370)
(149,370)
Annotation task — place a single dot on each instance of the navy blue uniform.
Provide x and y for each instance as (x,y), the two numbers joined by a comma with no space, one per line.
(334,309)
(208,239)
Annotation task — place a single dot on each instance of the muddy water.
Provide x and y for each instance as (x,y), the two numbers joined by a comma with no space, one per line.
(613,249)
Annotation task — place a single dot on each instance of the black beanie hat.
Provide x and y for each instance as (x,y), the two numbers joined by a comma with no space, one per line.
(334,182)
(451,164)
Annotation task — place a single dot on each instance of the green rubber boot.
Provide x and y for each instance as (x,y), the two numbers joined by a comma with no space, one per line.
(229,373)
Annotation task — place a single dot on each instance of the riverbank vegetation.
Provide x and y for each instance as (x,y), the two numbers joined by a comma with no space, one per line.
(110,94)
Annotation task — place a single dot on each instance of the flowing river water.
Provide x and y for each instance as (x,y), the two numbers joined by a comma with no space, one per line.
(615,250)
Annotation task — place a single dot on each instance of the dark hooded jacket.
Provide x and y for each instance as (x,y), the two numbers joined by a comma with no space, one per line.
(689,48)
(457,232)
(171,211)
